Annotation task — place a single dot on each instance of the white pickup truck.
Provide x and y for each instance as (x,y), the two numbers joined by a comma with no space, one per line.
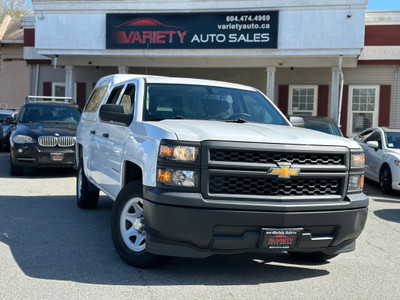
(200,167)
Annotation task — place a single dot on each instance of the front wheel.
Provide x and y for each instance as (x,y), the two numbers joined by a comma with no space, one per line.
(313,256)
(128,230)
(385,180)
(15,170)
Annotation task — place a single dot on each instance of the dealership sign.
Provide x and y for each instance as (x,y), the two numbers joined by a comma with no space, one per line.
(193,31)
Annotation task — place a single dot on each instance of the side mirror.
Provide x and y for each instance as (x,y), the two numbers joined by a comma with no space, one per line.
(114,113)
(373,145)
(297,121)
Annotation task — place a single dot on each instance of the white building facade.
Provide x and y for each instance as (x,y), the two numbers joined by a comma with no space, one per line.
(294,51)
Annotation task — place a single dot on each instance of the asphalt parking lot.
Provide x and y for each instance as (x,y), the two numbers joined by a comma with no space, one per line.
(50,249)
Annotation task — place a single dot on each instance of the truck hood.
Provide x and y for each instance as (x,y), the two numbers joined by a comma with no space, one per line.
(202,130)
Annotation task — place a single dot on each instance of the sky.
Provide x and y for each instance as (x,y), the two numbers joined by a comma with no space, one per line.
(383,4)
(372,4)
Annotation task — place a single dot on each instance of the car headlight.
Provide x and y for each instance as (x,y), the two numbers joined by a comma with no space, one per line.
(357,160)
(23,139)
(179,153)
(184,178)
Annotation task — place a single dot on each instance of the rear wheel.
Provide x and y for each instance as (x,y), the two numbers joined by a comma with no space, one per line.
(128,230)
(87,195)
(385,180)
(313,256)
(15,170)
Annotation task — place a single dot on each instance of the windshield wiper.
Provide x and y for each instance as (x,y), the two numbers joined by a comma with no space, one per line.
(57,122)
(170,118)
(238,120)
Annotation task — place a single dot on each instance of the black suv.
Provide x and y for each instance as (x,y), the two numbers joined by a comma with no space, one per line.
(44,134)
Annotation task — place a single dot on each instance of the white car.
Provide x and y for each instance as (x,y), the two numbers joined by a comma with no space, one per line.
(381,147)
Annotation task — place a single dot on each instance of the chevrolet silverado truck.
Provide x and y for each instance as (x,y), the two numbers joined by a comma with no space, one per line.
(199,167)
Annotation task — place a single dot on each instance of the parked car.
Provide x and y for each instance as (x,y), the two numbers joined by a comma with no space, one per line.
(381,147)
(200,167)
(44,134)
(322,124)
(5,128)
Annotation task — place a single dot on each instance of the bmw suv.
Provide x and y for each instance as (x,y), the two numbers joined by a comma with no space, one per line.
(44,134)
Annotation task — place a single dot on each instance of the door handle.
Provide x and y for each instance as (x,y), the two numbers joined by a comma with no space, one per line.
(93,132)
(106,135)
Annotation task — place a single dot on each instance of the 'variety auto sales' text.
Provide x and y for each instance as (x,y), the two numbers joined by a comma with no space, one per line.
(168,37)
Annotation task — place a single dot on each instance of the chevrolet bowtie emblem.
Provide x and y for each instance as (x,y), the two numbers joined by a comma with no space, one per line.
(284,171)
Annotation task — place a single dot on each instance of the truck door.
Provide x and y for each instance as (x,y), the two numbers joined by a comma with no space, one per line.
(113,136)
(98,139)
(88,125)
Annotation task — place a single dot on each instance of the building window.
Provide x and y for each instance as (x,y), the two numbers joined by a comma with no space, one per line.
(363,108)
(303,100)
(58,89)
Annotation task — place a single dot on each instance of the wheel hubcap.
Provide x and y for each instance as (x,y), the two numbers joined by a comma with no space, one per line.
(132,225)
(138,224)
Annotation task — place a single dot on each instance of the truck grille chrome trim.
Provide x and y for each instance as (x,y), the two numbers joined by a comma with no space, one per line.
(53,141)
(273,157)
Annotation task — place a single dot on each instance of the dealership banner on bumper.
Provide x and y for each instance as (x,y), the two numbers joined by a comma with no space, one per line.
(234,30)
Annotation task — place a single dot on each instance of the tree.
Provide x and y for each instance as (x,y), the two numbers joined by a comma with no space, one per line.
(14,8)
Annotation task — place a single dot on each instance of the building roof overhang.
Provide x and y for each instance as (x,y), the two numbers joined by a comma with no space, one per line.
(203,61)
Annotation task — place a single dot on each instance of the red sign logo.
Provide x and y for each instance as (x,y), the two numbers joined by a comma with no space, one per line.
(280,239)
(148,30)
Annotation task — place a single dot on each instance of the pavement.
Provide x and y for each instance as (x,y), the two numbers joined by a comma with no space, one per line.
(50,249)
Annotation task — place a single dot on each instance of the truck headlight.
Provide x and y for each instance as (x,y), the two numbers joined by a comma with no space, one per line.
(184,178)
(23,139)
(357,160)
(356,183)
(179,153)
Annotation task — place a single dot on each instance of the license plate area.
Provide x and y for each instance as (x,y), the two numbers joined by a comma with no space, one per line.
(280,238)
(56,156)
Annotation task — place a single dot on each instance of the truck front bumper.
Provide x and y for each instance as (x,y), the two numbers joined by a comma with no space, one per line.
(186,231)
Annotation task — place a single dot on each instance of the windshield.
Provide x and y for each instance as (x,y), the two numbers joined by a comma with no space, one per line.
(393,140)
(179,101)
(37,113)
(3,116)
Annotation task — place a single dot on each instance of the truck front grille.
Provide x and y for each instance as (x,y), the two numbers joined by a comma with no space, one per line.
(273,172)
(238,185)
(53,141)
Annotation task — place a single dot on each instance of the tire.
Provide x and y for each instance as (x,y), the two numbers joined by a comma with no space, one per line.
(312,256)
(127,228)
(15,170)
(87,195)
(385,180)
